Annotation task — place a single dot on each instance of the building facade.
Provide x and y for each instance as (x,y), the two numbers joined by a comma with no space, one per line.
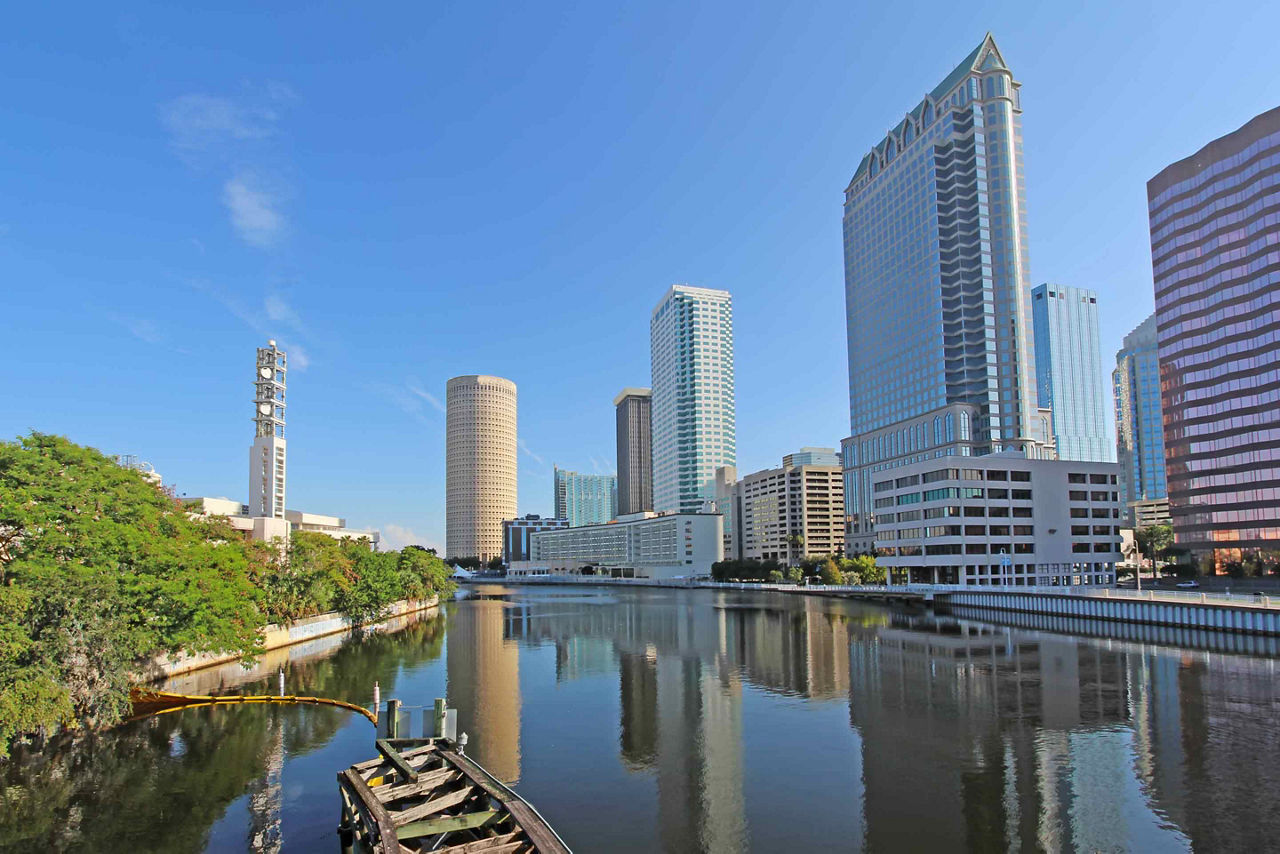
(517,534)
(937,295)
(1139,421)
(790,513)
(480,464)
(267,455)
(642,545)
(633,408)
(1215,228)
(812,457)
(585,499)
(1069,376)
(693,415)
(1001,519)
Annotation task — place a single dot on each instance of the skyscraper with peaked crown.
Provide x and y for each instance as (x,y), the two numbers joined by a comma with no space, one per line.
(937,295)
(1069,372)
(267,456)
(693,416)
(480,464)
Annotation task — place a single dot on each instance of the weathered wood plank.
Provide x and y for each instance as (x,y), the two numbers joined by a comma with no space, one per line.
(426,781)
(433,806)
(543,837)
(499,844)
(407,771)
(448,824)
(367,802)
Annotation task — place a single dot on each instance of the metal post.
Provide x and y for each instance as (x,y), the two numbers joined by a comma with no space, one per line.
(393,718)
(377,698)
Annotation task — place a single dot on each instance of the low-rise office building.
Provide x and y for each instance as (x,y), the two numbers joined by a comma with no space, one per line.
(516,535)
(639,545)
(794,512)
(1000,519)
(268,528)
(330,526)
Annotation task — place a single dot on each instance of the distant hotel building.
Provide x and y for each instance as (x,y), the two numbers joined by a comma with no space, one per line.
(585,499)
(642,545)
(1140,427)
(937,295)
(793,512)
(1000,519)
(517,534)
(1069,372)
(268,528)
(635,450)
(1215,228)
(480,464)
(693,420)
(267,456)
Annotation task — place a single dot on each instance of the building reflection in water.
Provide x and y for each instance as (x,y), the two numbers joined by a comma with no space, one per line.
(1003,739)
(483,673)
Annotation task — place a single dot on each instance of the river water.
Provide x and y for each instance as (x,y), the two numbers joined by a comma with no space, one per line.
(647,720)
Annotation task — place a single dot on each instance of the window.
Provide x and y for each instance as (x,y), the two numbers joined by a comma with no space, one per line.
(1078,495)
(999,530)
(975,530)
(1098,478)
(975,511)
(1022,512)
(997,493)
(1079,530)
(1024,530)
(1002,512)
(1021,495)
(1098,496)
(1075,477)
(940,474)
(1020,476)
(1079,513)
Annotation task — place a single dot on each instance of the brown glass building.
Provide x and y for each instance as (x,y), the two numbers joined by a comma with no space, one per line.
(1215,251)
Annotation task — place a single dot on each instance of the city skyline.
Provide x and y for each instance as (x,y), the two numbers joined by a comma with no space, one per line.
(210,226)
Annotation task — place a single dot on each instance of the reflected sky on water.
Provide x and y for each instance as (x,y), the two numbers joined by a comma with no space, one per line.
(644,720)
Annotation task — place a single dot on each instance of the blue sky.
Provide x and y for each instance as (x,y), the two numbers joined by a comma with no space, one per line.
(402,193)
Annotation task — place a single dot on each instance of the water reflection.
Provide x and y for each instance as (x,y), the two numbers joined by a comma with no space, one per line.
(648,720)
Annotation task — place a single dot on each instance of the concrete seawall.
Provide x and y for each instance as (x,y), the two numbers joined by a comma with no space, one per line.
(278,637)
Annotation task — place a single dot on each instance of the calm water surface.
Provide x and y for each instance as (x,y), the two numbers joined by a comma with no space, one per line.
(651,720)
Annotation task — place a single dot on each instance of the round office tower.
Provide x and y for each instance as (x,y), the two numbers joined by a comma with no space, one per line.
(480,464)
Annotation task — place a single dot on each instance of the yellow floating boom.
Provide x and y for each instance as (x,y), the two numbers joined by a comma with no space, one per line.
(147,703)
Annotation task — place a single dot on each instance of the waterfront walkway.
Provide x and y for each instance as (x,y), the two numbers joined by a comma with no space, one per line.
(1252,613)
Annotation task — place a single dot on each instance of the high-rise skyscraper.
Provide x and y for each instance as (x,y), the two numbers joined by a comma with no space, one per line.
(693,416)
(937,294)
(1215,225)
(1139,422)
(267,456)
(480,464)
(1069,372)
(585,499)
(635,450)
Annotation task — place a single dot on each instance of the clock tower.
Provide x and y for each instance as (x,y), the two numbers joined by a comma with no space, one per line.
(267,456)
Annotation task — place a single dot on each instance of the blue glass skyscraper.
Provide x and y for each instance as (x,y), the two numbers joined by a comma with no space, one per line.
(937,292)
(1069,372)
(585,499)
(1139,417)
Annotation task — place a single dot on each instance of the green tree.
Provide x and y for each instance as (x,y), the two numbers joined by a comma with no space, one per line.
(795,575)
(495,564)
(775,576)
(830,573)
(1153,541)
(866,570)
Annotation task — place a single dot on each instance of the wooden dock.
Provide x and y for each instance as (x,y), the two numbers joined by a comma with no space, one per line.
(423,794)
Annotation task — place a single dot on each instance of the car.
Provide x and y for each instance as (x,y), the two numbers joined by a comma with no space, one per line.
(1188,585)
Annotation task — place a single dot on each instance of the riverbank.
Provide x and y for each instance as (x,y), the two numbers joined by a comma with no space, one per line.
(276,638)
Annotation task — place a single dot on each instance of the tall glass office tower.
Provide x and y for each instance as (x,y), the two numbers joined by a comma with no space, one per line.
(585,499)
(693,416)
(1215,226)
(937,294)
(1139,419)
(1069,372)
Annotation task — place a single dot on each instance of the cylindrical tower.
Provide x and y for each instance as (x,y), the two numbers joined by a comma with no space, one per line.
(480,464)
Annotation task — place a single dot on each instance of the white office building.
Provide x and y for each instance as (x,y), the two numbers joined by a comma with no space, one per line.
(1001,519)
(693,415)
(640,545)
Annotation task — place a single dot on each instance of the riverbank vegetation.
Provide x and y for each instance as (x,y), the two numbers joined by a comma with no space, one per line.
(828,569)
(101,570)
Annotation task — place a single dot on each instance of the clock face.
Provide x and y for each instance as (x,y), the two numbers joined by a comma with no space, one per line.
(265,372)
(264,408)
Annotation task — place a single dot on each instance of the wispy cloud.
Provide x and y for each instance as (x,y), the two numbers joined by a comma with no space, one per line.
(139,327)
(397,537)
(203,125)
(299,357)
(416,388)
(406,401)
(281,312)
(255,213)
(538,459)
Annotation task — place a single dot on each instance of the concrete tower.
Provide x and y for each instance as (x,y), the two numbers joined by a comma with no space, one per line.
(693,416)
(267,456)
(480,464)
(635,451)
